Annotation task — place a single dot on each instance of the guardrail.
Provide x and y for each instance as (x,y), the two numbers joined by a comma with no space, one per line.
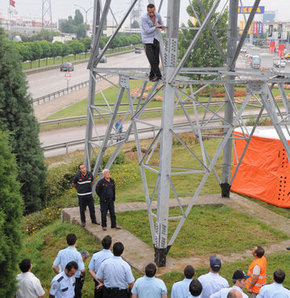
(62,92)
(97,116)
(152,129)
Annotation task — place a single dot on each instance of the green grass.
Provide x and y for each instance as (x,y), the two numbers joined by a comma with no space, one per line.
(232,230)
(80,108)
(42,248)
(281,211)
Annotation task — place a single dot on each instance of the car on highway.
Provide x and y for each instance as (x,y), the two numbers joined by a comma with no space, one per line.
(137,50)
(66,66)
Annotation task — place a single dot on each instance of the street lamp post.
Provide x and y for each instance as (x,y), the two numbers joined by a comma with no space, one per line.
(85,10)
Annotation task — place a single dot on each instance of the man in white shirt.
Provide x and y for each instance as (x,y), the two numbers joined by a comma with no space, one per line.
(275,289)
(239,281)
(212,282)
(180,289)
(29,285)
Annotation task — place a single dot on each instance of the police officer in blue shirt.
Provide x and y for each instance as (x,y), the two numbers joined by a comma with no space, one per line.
(67,255)
(97,260)
(115,274)
(63,284)
(149,285)
(181,288)
(275,289)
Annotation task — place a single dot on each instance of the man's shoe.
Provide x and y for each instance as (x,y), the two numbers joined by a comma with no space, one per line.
(117,227)
(95,223)
(104,228)
(155,79)
(83,224)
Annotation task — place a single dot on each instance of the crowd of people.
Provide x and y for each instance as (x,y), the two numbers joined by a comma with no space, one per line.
(113,277)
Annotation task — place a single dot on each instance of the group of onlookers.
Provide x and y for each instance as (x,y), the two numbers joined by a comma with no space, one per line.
(114,278)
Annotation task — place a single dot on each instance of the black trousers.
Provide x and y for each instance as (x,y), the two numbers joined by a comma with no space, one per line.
(78,288)
(105,206)
(85,201)
(152,52)
(114,292)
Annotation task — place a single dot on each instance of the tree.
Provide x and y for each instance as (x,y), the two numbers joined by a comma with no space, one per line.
(78,19)
(16,117)
(205,52)
(135,24)
(10,219)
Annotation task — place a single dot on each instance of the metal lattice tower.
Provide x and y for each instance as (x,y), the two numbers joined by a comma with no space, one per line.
(46,14)
(136,12)
(204,118)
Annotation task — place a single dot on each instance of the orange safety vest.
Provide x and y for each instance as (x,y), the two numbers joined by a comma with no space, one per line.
(262,263)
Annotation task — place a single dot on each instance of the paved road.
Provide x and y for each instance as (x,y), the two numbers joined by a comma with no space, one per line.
(50,81)
(64,135)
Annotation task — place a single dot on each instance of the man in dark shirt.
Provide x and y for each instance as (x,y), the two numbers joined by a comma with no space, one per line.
(83,181)
(105,189)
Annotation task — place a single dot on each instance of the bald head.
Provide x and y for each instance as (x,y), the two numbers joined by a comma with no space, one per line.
(234,294)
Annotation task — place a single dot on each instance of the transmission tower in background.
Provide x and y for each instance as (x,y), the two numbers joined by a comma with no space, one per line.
(46,14)
(136,13)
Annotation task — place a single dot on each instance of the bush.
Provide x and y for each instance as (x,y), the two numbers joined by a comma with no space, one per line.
(59,179)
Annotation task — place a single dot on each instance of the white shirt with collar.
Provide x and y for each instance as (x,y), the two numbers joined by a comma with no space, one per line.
(274,290)
(29,286)
(63,286)
(212,283)
(223,293)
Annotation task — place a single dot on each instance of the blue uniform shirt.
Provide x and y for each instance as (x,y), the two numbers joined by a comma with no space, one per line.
(63,286)
(212,283)
(223,293)
(149,32)
(67,255)
(146,287)
(98,258)
(180,289)
(274,290)
(116,273)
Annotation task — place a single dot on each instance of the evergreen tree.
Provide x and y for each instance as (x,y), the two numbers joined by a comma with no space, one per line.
(10,219)
(205,52)
(16,116)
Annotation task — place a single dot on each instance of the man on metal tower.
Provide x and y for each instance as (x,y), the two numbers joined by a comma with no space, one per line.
(150,38)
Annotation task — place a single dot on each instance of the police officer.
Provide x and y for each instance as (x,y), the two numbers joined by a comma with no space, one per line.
(98,259)
(63,284)
(67,255)
(105,189)
(115,274)
(83,181)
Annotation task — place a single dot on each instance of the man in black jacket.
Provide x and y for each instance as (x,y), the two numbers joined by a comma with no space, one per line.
(83,181)
(105,189)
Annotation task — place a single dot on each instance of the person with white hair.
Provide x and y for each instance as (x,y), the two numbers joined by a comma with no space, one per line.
(105,189)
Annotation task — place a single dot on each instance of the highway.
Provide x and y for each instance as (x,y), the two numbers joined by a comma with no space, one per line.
(50,81)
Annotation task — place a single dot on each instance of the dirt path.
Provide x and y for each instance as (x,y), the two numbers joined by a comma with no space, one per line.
(138,253)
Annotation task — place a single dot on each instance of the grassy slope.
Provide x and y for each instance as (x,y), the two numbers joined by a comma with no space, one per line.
(43,246)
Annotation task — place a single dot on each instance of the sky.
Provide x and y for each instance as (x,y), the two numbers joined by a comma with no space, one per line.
(64,8)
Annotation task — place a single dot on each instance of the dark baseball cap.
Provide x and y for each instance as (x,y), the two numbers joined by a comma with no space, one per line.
(239,274)
(215,263)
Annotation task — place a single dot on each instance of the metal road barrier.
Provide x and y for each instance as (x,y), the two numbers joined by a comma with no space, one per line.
(62,92)
(184,126)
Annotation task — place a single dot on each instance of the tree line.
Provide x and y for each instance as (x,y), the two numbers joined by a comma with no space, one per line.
(30,51)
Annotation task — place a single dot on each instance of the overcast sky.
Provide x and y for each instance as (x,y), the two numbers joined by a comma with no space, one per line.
(64,8)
